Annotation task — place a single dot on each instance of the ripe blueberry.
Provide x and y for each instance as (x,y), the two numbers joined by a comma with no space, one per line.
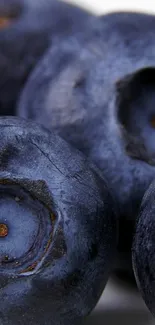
(27,28)
(100,96)
(58,228)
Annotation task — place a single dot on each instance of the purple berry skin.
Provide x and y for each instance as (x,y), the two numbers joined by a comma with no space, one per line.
(58,228)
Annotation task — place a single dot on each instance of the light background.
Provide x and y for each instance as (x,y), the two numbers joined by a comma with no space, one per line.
(102,6)
(118,304)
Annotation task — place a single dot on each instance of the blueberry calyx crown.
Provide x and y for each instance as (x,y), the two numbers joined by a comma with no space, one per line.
(26,227)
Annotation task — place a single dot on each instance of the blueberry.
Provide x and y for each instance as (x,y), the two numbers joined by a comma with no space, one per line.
(99,94)
(143,248)
(58,228)
(27,28)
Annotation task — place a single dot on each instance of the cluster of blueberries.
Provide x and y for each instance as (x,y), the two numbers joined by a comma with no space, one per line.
(77,158)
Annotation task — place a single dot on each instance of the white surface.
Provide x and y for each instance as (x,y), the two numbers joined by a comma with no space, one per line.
(101,6)
(119,305)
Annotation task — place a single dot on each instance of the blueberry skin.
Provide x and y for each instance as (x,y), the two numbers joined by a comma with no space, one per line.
(33,26)
(97,92)
(143,248)
(53,196)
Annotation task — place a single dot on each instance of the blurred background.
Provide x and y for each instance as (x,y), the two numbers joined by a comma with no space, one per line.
(101,6)
(120,303)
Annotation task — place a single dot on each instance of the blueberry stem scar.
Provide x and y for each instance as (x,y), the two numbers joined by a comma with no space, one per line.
(4,22)
(3,230)
(152,121)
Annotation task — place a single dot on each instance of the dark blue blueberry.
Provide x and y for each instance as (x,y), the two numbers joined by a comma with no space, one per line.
(98,92)
(58,228)
(143,248)
(27,27)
